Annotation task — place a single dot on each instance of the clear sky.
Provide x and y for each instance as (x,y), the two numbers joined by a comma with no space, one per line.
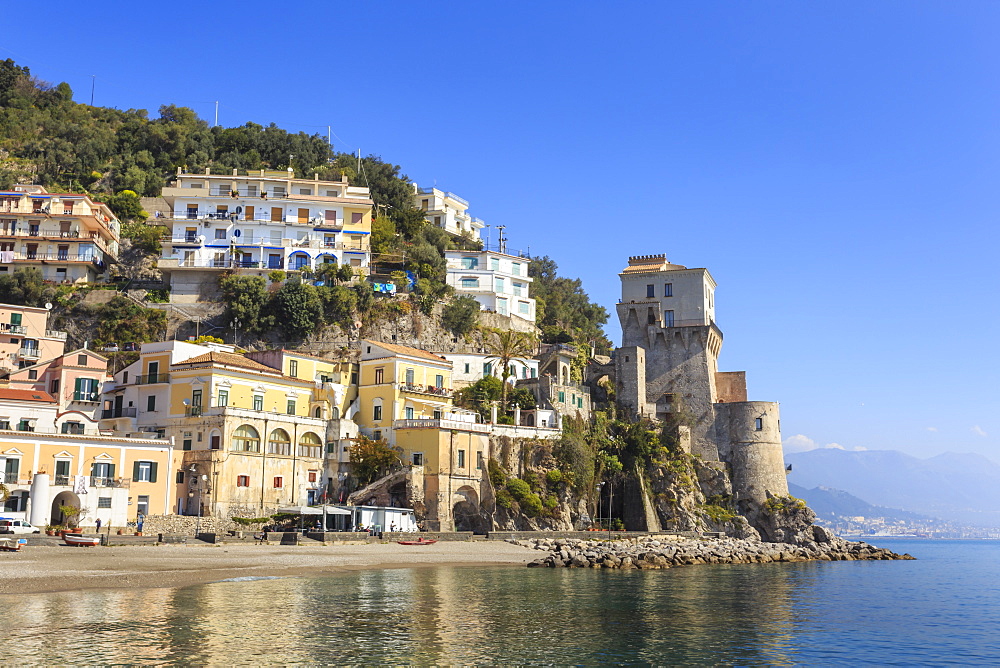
(833,164)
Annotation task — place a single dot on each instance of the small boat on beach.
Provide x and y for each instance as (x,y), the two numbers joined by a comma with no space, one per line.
(78,540)
(12,544)
(420,541)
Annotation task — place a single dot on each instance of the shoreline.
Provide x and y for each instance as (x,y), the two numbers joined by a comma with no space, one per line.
(48,569)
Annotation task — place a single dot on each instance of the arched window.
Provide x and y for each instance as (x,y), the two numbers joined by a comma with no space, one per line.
(246,439)
(278,443)
(318,412)
(310,445)
(334,413)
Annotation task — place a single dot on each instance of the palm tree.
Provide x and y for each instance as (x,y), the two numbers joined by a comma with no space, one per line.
(505,347)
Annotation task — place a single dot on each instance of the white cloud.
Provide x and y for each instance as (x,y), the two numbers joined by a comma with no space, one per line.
(977,430)
(798,443)
(931,428)
(802,443)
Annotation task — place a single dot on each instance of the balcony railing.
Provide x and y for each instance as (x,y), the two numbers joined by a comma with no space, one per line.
(152,379)
(104,481)
(112,413)
(55,334)
(59,257)
(13,329)
(426,389)
(90,397)
(440,424)
(61,480)
(193,411)
(29,352)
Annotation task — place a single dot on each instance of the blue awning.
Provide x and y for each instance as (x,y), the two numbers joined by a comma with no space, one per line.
(355,253)
(356,232)
(40,196)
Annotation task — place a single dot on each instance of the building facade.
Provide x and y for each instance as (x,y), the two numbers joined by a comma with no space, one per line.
(447,211)
(69,237)
(259,222)
(499,282)
(75,380)
(25,337)
(468,368)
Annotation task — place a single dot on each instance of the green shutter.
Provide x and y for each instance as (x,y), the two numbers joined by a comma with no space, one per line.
(93,470)
(111,470)
(135,471)
(78,386)
(152,472)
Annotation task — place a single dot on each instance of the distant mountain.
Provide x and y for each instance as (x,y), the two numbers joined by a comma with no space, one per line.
(830,504)
(961,487)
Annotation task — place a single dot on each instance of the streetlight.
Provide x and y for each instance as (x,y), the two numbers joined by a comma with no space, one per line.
(195,484)
(611,491)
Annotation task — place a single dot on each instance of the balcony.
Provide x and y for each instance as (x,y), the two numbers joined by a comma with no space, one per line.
(87,397)
(61,480)
(55,334)
(31,353)
(449,425)
(152,379)
(425,389)
(193,411)
(105,481)
(13,329)
(112,413)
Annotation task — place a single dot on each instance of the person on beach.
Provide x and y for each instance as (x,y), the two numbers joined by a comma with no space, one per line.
(98,523)
(139,519)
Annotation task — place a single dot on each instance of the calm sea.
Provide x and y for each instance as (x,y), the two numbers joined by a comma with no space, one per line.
(943,608)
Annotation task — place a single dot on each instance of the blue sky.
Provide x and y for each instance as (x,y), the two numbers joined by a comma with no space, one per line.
(833,164)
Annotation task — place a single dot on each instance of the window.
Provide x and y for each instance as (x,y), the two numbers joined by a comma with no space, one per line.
(245,439)
(144,472)
(377,412)
(180,478)
(379,375)
(151,403)
(650,291)
(215,442)
(409,376)
(758,424)
(312,476)
(104,502)
(279,443)
(437,414)
(142,505)
(495,264)
(72,428)
(33,374)
(409,412)
(310,445)
(470,282)
(461,459)
(186,445)
(668,290)
(279,482)
(487,369)
(562,397)
(196,398)
(223,397)
(258,402)
(242,481)
(417,458)
(220,233)
(290,407)
(524,308)
(293,368)
(470,263)
(499,285)
(515,268)
(466,367)
(15,318)
(479,460)
(668,318)
(11,469)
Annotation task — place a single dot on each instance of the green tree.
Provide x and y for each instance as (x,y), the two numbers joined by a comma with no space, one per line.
(563,310)
(460,315)
(372,459)
(24,287)
(122,320)
(127,206)
(298,309)
(504,347)
(247,301)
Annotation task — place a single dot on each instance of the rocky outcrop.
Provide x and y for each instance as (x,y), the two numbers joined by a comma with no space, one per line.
(658,552)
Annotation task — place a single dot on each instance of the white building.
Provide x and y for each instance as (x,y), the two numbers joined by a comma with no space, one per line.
(470,367)
(257,223)
(447,211)
(499,282)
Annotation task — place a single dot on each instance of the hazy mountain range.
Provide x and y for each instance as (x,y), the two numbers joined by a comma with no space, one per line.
(830,504)
(960,487)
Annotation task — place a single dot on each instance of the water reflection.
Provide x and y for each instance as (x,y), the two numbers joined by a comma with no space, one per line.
(741,614)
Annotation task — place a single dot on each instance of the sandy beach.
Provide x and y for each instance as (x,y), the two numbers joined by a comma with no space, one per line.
(63,568)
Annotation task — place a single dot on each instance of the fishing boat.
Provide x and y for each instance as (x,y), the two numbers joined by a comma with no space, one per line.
(12,544)
(420,541)
(78,540)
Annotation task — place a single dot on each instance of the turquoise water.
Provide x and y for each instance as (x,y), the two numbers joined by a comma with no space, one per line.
(943,608)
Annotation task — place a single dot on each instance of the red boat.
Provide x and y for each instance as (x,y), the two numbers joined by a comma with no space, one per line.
(421,541)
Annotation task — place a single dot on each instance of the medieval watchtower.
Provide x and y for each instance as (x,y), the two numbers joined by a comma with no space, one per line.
(668,363)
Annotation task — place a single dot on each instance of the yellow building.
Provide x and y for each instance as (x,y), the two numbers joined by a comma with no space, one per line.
(405,397)
(108,477)
(251,433)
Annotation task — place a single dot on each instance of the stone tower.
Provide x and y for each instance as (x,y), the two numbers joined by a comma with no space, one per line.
(668,363)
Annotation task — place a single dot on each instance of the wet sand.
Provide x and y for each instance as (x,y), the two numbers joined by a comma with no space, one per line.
(64,568)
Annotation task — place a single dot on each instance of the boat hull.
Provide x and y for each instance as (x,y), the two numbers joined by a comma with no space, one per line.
(81,541)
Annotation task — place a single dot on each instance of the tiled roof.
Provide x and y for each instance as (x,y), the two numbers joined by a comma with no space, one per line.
(26,395)
(406,350)
(229,359)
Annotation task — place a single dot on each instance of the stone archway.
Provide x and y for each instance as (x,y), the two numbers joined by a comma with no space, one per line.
(465,510)
(63,499)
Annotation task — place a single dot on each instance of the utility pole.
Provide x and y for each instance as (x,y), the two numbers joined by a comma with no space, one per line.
(501,242)
(216,112)
(93,82)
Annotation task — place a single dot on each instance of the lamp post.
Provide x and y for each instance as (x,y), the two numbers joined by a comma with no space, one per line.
(196,485)
(611,491)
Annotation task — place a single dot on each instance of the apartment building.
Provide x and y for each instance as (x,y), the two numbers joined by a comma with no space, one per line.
(45,467)
(75,380)
(499,282)
(25,337)
(69,237)
(468,368)
(447,211)
(251,434)
(258,222)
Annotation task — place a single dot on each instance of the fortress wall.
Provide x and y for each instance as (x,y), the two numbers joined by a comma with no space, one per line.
(730,386)
(754,455)
(630,379)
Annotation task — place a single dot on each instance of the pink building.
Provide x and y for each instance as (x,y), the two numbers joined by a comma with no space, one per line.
(25,338)
(75,380)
